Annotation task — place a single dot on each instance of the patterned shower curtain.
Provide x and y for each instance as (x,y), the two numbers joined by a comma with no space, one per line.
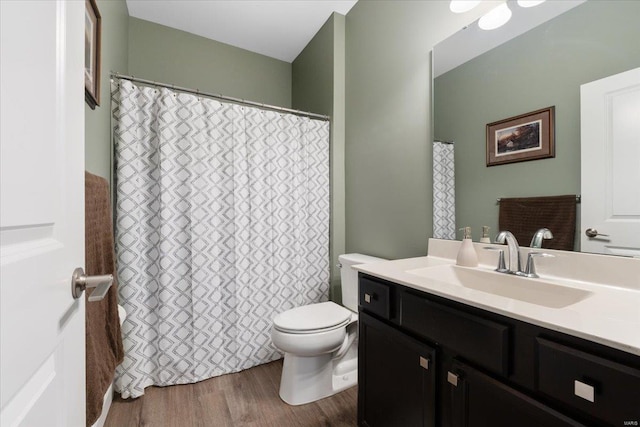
(444,191)
(222,221)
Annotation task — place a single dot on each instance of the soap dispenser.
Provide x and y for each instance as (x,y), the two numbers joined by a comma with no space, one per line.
(467,256)
(485,235)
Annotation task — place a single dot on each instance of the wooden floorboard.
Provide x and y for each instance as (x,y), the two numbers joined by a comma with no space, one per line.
(248,398)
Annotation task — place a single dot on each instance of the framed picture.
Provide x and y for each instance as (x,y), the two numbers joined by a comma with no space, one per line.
(92,30)
(525,137)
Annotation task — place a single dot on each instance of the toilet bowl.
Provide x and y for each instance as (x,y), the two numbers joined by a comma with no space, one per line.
(319,342)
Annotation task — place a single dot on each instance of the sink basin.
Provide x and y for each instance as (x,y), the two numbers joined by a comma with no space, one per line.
(534,291)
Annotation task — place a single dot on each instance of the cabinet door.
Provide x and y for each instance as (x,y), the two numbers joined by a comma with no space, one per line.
(396,377)
(475,399)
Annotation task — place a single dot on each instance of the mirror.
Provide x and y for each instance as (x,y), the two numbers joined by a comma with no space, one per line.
(542,67)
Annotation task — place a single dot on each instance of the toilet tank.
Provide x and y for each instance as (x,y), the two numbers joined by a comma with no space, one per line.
(349,277)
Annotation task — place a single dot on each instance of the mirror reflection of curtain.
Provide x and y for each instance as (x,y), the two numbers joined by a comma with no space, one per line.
(222,222)
(444,191)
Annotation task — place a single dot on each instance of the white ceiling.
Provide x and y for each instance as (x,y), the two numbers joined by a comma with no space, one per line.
(276,28)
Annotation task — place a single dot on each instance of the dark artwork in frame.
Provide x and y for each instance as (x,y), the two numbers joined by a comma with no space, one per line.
(92,36)
(520,138)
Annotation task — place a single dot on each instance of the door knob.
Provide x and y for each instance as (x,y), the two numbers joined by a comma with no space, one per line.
(592,232)
(80,281)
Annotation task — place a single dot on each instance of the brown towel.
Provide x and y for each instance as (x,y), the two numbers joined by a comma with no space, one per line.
(524,216)
(103,338)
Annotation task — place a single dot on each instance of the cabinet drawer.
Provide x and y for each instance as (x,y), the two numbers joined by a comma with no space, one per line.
(374,297)
(482,341)
(599,387)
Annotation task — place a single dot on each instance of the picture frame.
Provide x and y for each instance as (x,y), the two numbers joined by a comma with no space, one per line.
(92,39)
(529,136)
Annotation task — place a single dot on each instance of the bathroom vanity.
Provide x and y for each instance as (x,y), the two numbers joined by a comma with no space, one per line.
(442,345)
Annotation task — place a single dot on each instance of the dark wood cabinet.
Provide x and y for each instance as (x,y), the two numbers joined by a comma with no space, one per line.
(425,360)
(396,377)
(602,388)
(474,399)
(485,341)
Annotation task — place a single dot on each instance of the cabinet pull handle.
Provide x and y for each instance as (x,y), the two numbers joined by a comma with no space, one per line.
(367,298)
(452,379)
(585,391)
(424,362)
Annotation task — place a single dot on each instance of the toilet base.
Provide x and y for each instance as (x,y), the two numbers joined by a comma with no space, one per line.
(307,379)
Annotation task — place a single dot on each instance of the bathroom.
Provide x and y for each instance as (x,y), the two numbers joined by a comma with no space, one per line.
(371,72)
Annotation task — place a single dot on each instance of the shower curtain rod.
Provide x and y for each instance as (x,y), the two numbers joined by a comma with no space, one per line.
(221,97)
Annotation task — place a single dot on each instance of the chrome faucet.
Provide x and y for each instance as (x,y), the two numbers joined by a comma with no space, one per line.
(541,234)
(514,251)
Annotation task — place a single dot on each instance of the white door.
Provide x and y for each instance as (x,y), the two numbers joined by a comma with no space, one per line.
(610,141)
(41,213)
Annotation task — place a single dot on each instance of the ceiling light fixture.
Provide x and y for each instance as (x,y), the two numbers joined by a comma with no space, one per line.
(495,18)
(529,3)
(461,6)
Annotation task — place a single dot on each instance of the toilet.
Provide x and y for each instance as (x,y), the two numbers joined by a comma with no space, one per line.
(320,342)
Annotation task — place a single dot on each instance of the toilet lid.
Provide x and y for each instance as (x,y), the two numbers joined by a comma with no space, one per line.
(314,317)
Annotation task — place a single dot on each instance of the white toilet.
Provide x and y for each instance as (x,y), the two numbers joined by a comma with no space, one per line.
(320,343)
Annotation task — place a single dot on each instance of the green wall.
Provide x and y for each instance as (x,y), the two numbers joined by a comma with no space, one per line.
(144,49)
(318,82)
(543,67)
(172,56)
(312,73)
(115,36)
(388,122)
(381,109)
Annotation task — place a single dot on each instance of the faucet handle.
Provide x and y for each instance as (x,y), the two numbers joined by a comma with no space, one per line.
(539,236)
(530,270)
(502,267)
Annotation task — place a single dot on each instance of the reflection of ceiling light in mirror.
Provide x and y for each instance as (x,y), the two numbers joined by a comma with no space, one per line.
(495,18)
(461,6)
(529,3)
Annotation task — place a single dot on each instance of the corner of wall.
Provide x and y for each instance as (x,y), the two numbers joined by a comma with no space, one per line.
(318,85)
(114,57)
(338,137)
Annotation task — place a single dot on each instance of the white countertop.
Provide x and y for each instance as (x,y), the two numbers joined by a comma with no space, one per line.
(610,315)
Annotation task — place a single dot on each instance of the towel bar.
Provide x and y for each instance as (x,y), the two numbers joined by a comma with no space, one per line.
(578,199)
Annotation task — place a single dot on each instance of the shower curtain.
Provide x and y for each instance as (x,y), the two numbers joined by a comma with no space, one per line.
(444,191)
(222,221)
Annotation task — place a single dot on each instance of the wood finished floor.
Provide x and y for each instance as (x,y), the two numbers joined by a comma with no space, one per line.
(247,398)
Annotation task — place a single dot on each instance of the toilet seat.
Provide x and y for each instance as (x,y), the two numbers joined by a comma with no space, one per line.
(314,318)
